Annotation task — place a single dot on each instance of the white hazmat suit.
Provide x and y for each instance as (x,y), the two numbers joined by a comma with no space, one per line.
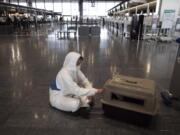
(71,96)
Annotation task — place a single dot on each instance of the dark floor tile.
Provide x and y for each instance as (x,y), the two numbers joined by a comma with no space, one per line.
(13,131)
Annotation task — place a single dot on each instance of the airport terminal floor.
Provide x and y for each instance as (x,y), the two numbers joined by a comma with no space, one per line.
(29,62)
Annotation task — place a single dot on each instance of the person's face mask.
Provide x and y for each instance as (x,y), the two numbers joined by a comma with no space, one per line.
(78,64)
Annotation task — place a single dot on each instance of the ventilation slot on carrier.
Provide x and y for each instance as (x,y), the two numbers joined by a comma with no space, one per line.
(118,97)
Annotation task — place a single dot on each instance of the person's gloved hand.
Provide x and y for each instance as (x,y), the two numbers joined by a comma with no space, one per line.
(99,91)
(90,98)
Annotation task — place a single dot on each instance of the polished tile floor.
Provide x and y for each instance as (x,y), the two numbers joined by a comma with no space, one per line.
(29,62)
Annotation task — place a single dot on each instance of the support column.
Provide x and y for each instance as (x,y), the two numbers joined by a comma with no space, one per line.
(158,7)
(29,3)
(175,85)
(44,4)
(53,5)
(53,11)
(35,4)
(81,9)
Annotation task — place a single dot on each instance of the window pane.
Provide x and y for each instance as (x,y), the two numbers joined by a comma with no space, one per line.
(57,7)
(49,6)
(100,8)
(14,2)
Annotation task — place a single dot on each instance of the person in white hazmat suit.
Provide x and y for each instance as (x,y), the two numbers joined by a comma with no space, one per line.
(65,93)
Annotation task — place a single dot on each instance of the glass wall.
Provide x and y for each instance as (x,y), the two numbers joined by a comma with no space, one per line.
(33,4)
(14,2)
(49,6)
(5,1)
(99,9)
(40,4)
(58,7)
(22,3)
(71,8)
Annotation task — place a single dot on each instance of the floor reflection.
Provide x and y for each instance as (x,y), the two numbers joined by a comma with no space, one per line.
(30,62)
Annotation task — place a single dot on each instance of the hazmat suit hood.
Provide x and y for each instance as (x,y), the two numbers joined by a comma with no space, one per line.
(67,81)
(71,60)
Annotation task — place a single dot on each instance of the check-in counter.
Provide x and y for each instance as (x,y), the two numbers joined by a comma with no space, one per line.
(6,29)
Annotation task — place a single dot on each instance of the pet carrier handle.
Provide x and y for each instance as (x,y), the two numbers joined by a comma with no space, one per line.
(133,82)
